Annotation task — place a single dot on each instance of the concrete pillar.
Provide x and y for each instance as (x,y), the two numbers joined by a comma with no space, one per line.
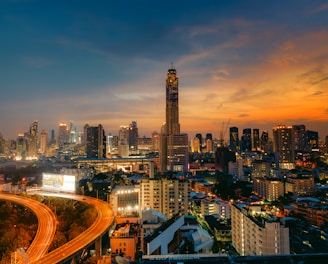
(98,247)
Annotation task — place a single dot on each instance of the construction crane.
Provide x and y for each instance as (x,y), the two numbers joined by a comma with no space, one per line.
(223,132)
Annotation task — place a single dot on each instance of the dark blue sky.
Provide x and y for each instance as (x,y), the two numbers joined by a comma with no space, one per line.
(257,63)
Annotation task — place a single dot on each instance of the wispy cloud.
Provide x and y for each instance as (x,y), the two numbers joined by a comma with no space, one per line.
(321,8)
(313,76)
(37,61)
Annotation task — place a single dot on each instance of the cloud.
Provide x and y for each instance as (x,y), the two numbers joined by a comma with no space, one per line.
(243,115)
(317,93)
(210,96)
(220,75)
(321,8)
(38,62)
(313,76)
(287,46)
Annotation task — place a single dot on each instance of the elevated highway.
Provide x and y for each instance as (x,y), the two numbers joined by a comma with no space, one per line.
(93,234)
(46,225)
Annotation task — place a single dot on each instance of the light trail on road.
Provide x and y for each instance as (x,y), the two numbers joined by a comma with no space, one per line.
(104,220)
(46,225)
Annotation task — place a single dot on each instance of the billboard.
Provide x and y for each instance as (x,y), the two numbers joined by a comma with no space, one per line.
(58,182)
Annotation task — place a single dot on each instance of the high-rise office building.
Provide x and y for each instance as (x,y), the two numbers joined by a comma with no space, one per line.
(95,142)
(234,139)
(264,141)
(199,136)
(311,139)
(73,135)
(133,137)
(256,139)
(208,136)
(173,145)
(298,137)
(21,146)
(155,141)
(283,146)
(43,142)
(32,140)
(195,144)
(123,141)
(246,140)
(63,135)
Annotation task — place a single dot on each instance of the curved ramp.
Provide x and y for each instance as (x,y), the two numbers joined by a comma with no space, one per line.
(46,225)
(97,229)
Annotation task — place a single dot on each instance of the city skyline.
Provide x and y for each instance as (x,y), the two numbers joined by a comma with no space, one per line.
(257,64)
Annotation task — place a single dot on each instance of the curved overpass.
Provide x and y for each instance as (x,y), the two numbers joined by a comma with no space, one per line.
(104,220)
(46,225)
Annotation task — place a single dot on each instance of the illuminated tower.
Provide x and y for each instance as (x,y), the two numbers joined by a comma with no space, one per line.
(133,136)
(32,146)
(234,139)
(256,139)
(43,142)
(172,126)
(63,135)
(123,141)
(195,144)
(246,140)
(173,145)
(299,137)
(283,146)
(95,142)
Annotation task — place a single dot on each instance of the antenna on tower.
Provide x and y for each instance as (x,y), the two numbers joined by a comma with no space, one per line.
(172,66)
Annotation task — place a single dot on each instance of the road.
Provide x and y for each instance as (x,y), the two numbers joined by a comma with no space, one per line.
(46,225)
(105,218)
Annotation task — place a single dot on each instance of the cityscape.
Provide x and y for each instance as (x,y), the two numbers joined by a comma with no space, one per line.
(192,170)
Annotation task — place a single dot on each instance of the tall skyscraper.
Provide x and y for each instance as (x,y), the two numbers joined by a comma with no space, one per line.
(283,146)
(21,146)
(173,145)
(43,142)
(32,142)
(195,144)
(123,141)
(133,137)
(63,135)
(311,140)
(95,142)
(234,139)
(155,141)
(172,125)
(199,136)
(256,139)
(264,141)
(246,140)
(298,137)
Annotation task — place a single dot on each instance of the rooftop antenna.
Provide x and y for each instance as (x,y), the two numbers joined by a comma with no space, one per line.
(172,67)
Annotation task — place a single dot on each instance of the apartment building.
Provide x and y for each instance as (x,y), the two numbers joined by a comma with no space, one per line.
(254,232)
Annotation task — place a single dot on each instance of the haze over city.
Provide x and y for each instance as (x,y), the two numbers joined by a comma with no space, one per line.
(255,63)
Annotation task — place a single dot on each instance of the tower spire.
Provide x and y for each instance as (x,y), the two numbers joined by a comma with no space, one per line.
(172,66)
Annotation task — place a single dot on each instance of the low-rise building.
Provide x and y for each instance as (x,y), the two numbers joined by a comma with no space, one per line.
(312,210)
(268,188)
(123,241)
(300,183)
(254,232)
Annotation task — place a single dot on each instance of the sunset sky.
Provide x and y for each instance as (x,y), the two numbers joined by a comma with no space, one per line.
(250,64)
